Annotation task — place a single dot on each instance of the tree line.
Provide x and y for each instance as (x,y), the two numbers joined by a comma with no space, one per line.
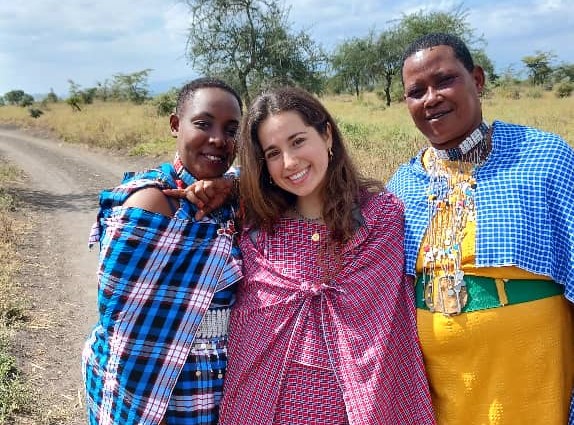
(251,45)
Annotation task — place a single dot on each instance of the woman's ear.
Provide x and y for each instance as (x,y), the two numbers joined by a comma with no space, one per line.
(479,78)
(174,124)
(328,135)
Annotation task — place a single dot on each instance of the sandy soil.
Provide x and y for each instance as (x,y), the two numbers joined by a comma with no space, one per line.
(59,275)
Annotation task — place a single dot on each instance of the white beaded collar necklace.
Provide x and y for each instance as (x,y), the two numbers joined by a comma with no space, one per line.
(465,146)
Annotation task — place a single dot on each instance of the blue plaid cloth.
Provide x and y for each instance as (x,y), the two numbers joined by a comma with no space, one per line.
(157,278)
(524,199)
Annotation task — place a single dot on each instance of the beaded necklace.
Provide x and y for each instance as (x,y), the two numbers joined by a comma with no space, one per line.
(451,204)
(458,152)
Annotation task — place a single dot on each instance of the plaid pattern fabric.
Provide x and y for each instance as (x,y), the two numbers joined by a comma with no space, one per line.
(524,199)
(358,310)
(303,395)
(157,277)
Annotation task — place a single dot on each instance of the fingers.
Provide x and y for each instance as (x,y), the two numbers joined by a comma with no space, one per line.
(187,193)
(200,214)
(206,195)
(202,191)
(174,193)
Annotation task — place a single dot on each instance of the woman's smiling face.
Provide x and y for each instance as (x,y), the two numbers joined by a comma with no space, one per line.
(442,96)
(206,130)
(296,154)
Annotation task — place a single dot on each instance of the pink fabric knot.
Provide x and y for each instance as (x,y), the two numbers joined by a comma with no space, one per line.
(315,289)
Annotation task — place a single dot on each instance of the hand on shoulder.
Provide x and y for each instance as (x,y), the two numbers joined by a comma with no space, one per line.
(207,195)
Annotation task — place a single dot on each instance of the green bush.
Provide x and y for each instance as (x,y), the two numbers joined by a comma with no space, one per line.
(165,103)
(564,89)
(14,396)
(35,112)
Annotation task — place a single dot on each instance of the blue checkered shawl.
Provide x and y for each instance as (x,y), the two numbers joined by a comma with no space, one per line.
(525,204)
(157,277)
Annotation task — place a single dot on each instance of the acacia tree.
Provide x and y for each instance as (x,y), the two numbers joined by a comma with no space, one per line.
(390,46)
(380,61)
(14,97)
(352,61)
(249,44)
(132,87)
(539,69)
(415,25)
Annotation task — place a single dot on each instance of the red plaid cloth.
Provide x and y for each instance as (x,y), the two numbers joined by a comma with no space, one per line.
(299,311)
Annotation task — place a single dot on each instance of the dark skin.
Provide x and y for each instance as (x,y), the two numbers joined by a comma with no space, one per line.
(206,195)
(205,131)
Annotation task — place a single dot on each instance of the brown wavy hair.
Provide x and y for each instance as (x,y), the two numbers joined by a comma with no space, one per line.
(263,202)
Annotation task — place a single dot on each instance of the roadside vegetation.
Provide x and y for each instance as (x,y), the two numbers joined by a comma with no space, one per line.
(14,394)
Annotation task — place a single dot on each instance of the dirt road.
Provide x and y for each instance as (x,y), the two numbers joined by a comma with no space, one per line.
(59,277)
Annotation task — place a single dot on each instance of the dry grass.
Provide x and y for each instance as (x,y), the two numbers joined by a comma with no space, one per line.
(117,126)
(380,138)
(14,394)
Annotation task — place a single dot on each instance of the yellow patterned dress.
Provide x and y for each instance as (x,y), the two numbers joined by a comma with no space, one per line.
(510,361)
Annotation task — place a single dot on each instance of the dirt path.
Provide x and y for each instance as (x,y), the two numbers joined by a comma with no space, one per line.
(59,277)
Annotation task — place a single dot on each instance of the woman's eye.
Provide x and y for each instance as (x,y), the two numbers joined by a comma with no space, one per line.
(299,141)
(415,93)
(231,132)
(202,125)
(271,154)
(446,81)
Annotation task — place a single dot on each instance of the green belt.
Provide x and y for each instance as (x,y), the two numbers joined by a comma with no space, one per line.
(482,292)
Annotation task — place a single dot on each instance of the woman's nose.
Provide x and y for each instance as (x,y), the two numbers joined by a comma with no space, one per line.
(289,160)
(218,137)
(432,96)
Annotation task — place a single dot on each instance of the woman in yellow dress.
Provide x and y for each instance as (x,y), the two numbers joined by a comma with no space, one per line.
(490,241)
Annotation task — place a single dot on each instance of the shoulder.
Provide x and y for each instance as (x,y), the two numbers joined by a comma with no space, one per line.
(149,181)
(408,176)
(524,133)
(150,199)
(382,205)
(541,145)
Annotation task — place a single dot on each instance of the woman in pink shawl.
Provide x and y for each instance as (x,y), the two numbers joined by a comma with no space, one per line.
(323,330)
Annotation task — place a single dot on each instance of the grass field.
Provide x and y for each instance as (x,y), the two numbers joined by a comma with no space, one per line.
(380,138)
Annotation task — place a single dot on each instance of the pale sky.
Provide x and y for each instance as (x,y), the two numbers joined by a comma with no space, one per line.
(45,43)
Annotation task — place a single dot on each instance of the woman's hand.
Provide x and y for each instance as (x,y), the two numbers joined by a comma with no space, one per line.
(206,195)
